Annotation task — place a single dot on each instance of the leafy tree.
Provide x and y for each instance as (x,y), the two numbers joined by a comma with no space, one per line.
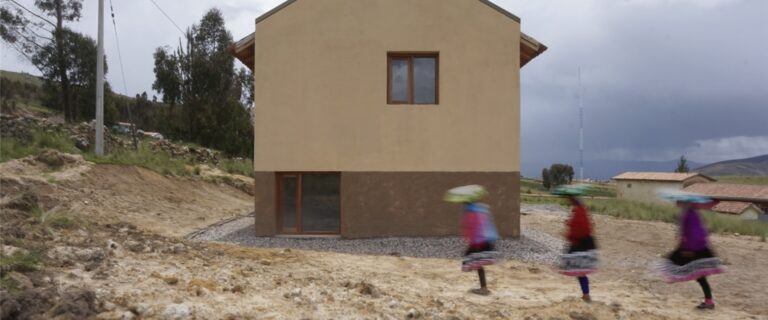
(545,179)
(47,43)
(211,95)
(557,174)
(682,165)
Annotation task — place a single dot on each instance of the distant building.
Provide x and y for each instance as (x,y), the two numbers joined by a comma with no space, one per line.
(642,186)
(748,201)
(744,210)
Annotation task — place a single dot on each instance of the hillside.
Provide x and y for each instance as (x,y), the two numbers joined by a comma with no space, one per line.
(755,166)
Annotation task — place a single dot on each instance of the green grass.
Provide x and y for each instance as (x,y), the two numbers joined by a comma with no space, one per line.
(158,161)
(14,149)
(756,180)
(242,167)
(21,262)
(716,222)
(21,77)
(631,210)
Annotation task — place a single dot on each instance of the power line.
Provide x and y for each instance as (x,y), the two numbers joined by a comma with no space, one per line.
(34,14)
(117,44)
(167,16)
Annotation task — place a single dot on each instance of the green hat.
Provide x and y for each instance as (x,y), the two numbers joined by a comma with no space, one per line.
(572,190)
(470,193)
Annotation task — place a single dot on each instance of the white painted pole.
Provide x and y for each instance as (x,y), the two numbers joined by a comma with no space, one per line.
(100,85)
(581,131)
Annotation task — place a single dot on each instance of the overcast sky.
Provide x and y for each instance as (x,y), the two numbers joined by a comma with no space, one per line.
(660,78)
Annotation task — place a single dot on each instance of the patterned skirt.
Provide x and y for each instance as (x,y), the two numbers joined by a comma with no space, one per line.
(579,260)
(477,257)
(678,267)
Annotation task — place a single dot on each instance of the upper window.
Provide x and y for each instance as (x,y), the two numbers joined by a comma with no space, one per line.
(412,78)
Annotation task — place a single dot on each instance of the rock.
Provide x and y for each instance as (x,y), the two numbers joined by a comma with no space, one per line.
(176,312)
(66,254)
(413,314)
(114,248)
(135,246)
(109,306)
(140,309)
(22,282)
(127,315)
(75,304)
(55,159)
(178,248)
(237,289)
(581,316)
(365,288)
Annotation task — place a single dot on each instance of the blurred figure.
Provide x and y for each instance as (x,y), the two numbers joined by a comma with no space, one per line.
(580,258)
(693,259)
(479,232)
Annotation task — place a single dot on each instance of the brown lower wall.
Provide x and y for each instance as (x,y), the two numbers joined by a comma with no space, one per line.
(396,204)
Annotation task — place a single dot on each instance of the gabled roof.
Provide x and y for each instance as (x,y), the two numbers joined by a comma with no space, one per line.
(725,191)
(244,49)
(289,2)
(660,176)
(735,207)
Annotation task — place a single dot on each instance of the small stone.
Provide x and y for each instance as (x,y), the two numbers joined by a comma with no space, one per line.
(413,314)
(176,312)
(109,306)
(127,315)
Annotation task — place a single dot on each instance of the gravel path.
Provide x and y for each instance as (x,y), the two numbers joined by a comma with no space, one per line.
(532,246)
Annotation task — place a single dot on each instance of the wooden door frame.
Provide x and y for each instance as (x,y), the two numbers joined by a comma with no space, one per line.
(278,203)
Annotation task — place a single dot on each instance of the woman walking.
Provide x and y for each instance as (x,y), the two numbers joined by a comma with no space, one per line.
(693,259)
(479,232)
(580,257)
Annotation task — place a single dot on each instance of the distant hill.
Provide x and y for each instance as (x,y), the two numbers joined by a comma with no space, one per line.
(607,169)
(756,166)
(21,77)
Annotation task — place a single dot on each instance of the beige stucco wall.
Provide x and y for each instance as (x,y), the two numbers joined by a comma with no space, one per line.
(644,191)
(321,88)
(750,214)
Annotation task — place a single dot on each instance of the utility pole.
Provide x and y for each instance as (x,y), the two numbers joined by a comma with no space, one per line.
(581,131)
(100,85)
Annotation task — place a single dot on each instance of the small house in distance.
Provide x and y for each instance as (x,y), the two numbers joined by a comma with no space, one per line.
(366,112)
(642,186)
(749,202)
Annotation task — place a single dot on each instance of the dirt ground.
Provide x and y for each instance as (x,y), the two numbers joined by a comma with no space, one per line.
(151,272)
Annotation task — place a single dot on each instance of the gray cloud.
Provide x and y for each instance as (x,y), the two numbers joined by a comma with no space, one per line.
(660,77)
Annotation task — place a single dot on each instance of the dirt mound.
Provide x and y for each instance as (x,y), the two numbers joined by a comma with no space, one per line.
(55,159)
(46,303)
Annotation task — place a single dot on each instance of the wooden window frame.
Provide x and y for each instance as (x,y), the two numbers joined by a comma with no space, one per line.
(410,56)
(279,205)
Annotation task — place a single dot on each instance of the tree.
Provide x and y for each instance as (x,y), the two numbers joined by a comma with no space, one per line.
(213,97)
(682,165)
(557,174)
(545,179)
(30,33)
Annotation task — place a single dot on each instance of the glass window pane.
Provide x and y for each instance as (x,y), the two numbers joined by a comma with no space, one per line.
(398,80)
(320,202)
(288,203)
(424,80)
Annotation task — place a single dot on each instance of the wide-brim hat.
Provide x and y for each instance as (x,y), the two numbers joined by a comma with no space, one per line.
(676,195)
(572,190)
(470,193)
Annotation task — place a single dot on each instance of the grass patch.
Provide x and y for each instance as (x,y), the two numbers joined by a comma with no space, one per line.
(242,167)
(21,262)
(12,148)
(158,161)
(756,180)
(716,222)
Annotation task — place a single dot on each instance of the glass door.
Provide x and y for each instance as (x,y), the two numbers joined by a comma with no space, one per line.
(309,203)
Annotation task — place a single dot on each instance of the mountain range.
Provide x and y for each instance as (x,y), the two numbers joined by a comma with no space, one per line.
(755,166)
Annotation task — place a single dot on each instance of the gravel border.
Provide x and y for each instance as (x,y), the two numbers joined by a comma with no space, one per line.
(532,246)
